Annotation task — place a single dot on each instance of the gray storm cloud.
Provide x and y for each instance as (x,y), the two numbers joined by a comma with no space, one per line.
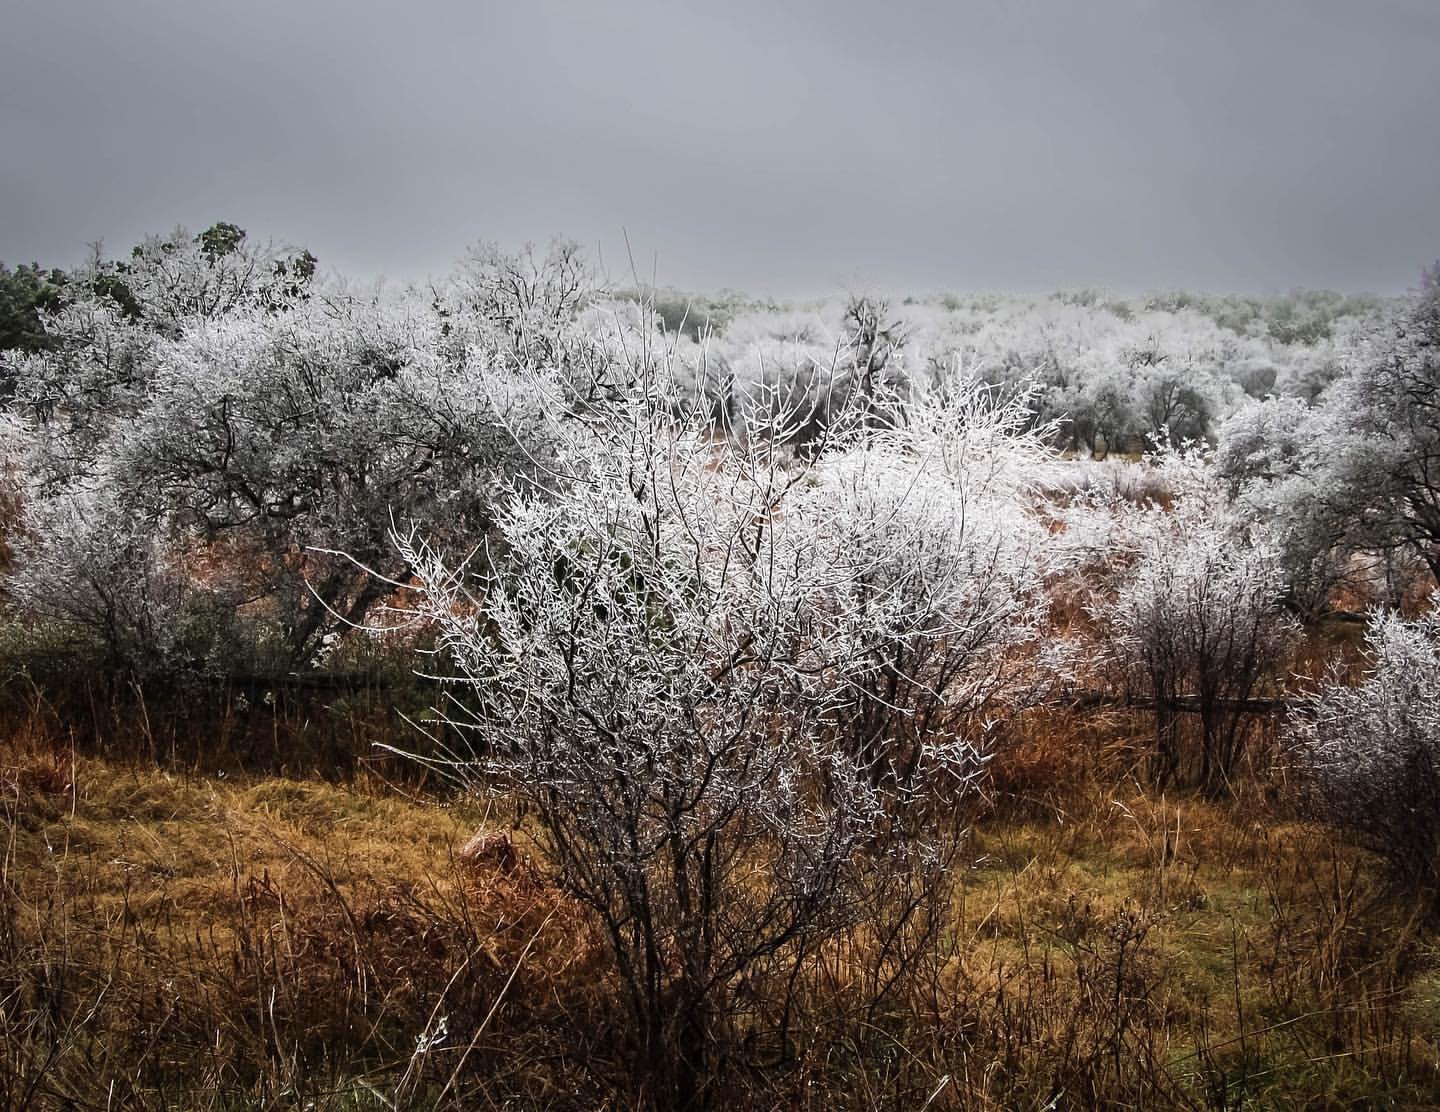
(784,149)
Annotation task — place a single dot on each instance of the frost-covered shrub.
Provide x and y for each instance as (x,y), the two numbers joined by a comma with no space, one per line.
(722,676)
(1371,752)
(1111,377)
(1104,482)
(88,569)
(16,445)
(1188,601)
(923,532)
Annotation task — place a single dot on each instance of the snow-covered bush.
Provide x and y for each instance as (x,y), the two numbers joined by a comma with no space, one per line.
(102,575)
(721,674)
(1371,752)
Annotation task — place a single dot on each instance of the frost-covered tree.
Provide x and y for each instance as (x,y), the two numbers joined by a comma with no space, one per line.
(1276,460)
(26,294)
(167,280)
(272,439)
(1387,413)
(526,300)
(722,676)
(1371,752)
(1354,477)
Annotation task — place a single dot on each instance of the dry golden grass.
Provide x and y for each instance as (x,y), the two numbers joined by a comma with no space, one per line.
(1178,953)
(184,940)
(176,939)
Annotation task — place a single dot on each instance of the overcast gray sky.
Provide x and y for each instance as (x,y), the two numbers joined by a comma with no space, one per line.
(781,148)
